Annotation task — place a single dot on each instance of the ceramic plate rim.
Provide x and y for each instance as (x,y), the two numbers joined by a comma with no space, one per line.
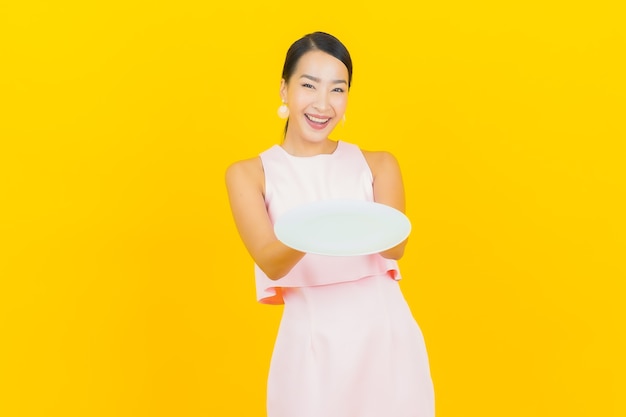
(287,225)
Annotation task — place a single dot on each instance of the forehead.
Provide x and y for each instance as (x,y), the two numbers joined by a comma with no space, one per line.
(321,65)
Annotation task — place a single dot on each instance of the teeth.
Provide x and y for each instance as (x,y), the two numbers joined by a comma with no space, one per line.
(316,120)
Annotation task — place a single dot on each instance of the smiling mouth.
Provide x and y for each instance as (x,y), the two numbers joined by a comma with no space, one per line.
(317,120)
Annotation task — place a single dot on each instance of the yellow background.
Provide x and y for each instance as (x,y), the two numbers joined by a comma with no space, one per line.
(124,288)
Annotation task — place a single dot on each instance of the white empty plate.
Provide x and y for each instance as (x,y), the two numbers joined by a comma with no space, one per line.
(342,227)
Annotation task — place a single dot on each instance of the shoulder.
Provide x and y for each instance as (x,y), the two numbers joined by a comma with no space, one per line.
(249,170)
(380,161)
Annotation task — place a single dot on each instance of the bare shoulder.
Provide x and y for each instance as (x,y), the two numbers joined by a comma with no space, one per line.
(247,170)
(251,166)
(380,161)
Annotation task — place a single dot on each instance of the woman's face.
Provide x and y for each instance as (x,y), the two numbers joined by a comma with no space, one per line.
(317,96)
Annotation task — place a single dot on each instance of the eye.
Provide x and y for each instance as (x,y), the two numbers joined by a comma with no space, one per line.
(339,90)
(307,85)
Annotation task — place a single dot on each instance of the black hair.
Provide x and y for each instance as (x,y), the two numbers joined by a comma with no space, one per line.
(316,41)
(319,41)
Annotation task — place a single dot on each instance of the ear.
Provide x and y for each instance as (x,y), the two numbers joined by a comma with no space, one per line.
(283,90)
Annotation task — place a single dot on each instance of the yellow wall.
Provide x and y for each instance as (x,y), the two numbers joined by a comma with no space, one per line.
(124,288)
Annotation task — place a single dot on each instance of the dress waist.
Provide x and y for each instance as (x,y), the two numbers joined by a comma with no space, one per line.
(315,270)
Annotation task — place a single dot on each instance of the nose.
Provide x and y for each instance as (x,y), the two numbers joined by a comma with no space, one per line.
(321,101)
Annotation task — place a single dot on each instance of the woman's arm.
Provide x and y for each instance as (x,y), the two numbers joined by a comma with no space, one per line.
(388,189)
(245,185)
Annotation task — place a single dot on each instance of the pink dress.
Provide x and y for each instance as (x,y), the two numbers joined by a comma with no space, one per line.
(348,345)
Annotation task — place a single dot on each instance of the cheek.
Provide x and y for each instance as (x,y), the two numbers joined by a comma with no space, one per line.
(297,100)
(340,103)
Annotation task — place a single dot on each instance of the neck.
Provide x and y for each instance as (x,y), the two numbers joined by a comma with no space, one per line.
(300,148)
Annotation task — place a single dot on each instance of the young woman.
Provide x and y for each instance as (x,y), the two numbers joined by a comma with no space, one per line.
(348,345)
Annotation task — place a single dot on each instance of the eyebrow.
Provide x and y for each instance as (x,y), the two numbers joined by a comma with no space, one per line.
(317,80)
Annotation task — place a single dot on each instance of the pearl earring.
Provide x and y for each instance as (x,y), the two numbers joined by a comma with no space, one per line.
(283,111)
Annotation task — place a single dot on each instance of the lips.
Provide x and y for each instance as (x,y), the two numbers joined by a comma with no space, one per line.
(317,122)
(317,119)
